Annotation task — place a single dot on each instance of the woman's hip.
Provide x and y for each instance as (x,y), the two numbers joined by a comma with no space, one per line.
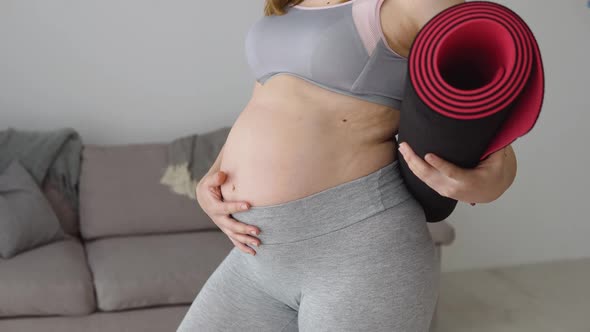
(389,252)
(373,217)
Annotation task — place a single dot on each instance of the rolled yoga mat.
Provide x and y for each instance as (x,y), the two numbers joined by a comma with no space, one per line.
(476,84)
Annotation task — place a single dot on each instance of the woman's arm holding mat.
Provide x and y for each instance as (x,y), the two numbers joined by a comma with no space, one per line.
(482,184)
(493,175)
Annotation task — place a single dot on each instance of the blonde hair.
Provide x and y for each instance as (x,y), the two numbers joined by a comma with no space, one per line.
(277,7)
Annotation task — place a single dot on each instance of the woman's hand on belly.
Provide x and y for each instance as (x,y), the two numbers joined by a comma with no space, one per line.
(210,199)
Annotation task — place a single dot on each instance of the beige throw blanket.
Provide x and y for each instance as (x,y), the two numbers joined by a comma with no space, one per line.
(190,158)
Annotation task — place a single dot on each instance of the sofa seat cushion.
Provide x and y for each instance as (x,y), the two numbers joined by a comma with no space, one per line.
(161,319)
(121,194)
(141,271)
(50,280)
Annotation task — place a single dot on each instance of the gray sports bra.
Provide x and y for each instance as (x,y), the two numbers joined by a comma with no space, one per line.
(338,47)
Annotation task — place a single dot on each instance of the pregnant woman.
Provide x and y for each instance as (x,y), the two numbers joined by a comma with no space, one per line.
(330,239)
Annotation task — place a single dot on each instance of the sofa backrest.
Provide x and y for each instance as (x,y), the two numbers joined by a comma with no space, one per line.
(121,194)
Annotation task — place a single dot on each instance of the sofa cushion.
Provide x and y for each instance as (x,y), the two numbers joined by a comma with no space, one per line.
(27,220)
(49,280)
(121,194)
(141,271)
(164,319)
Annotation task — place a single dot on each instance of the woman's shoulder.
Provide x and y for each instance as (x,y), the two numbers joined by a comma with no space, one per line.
(401,20)
(398,26)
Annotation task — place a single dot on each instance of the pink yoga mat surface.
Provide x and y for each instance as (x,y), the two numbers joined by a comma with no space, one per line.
(476,59)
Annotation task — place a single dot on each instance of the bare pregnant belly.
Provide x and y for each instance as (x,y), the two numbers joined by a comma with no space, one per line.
(288,147)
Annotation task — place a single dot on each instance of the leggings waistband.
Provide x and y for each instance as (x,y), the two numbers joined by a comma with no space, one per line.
(330,209)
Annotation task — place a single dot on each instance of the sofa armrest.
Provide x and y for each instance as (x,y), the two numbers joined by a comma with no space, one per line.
(442,233)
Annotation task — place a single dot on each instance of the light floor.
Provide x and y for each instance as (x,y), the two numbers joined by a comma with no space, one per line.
(547,297)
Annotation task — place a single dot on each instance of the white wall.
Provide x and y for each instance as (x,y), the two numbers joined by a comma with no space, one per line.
(123,71)
(545,214)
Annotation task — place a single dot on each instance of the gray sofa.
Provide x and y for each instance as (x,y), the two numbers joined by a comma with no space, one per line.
(135,258)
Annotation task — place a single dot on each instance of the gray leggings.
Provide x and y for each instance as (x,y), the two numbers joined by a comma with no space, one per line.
(354,257)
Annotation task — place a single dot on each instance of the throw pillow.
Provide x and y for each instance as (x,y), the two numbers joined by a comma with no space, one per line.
(27,220)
